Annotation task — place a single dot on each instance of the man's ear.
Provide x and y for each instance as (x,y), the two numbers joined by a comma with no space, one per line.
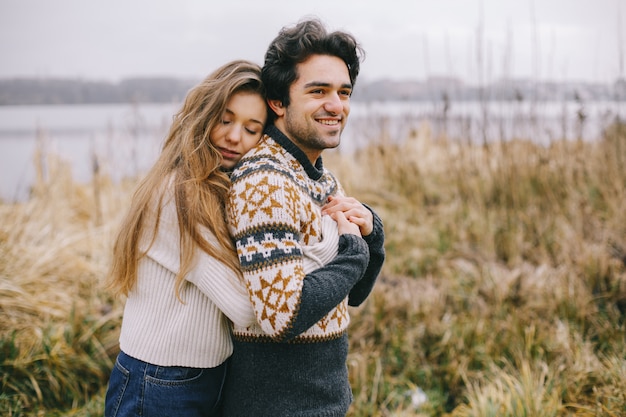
(277,107)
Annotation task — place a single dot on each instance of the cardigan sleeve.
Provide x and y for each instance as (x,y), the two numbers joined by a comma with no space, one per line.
(319,254)
(218,282)
(222,286)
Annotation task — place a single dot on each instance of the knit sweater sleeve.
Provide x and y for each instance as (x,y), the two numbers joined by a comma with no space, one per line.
(326,287)
(375,243)
(352,251)
(218,282)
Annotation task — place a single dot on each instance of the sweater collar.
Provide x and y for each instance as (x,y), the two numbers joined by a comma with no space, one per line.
(314,172)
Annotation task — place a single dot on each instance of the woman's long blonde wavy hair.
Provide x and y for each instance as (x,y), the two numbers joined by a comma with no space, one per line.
(200,185)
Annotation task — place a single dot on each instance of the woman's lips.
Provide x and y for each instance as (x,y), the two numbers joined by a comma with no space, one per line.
(228,154)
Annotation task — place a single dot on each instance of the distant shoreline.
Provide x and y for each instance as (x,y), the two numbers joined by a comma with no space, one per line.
(51,91)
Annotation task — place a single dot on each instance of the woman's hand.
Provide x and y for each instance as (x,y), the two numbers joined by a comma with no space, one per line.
(350,210)
(344,226)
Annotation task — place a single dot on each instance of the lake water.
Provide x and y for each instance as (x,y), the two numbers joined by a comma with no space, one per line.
(126,139)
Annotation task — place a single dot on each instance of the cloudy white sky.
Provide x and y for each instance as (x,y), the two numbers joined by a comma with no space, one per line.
(404,39)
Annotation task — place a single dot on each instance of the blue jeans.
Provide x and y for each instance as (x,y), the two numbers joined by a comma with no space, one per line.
(137,388)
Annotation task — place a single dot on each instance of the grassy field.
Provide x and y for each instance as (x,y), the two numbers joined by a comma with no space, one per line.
(504,292)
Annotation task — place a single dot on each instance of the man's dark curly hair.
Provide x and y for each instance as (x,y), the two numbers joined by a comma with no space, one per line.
(296,44)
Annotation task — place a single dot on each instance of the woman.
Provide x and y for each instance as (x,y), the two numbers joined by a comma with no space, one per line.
(175,261)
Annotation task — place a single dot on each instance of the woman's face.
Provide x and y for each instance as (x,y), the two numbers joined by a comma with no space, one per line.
(240,128)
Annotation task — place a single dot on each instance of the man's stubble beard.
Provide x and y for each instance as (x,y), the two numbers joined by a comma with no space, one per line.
(306,135)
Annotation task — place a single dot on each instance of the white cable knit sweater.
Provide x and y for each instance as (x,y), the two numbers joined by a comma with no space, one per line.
(159,329)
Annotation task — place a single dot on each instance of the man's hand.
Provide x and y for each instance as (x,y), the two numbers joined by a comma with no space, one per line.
(350,209)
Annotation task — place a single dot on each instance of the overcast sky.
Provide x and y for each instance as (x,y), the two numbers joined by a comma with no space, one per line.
(404,39)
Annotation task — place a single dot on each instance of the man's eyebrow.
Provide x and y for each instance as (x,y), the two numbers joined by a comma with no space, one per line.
(323,84)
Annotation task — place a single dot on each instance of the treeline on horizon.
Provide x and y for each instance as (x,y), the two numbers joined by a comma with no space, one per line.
(51,91)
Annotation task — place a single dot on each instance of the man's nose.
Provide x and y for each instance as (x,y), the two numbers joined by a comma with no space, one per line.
(333,104)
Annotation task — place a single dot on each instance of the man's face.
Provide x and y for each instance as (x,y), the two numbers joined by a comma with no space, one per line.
(319,105)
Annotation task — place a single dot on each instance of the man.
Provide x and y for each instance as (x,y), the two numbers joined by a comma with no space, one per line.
(294,362)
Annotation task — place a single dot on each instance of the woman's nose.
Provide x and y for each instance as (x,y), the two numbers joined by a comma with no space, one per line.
(234,133)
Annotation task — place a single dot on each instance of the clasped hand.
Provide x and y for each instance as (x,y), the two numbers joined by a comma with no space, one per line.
(351,216)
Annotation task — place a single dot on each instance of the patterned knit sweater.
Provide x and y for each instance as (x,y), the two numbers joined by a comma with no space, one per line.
(293,362)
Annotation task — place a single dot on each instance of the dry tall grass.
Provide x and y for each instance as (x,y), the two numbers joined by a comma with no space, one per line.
(504,293)
(58,329)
